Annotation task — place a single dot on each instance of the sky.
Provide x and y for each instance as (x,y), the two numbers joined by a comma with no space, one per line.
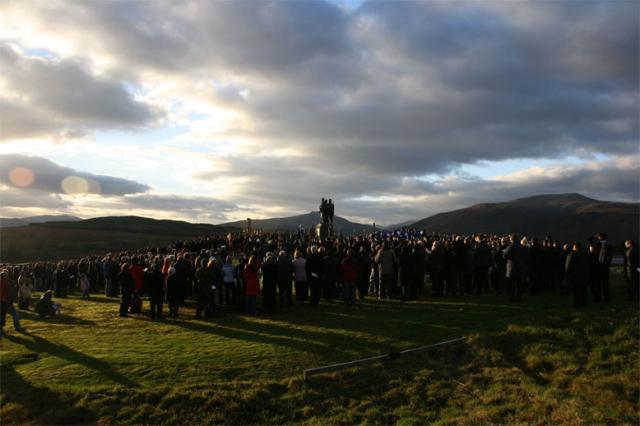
(213,111)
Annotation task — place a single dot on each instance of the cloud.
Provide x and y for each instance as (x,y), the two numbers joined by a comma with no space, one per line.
(39,174)
(44,96)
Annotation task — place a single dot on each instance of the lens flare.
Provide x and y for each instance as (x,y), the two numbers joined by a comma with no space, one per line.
(75,185)
(21,176)
(79,185)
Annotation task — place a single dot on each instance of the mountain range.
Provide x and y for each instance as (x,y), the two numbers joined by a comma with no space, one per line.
(567,217)
(8,222)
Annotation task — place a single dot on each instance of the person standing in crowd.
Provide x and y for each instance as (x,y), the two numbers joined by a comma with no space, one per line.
(173,292)
(535,267)
(374,277)
(516,257)
(137,274)
(60,280)
(564,285)
(269,283)
(252,281)
(25,290)
(300,274)
(577,268)
(364,262)
(5,298)
(85,285)
(386,260)
(436,263)
(631,270)
(482,261)
(314,274)
(110,271)
(229,282)
(406,273)
(330,270)
(153,282)
(349,270)
(418,258)
(126,289)
(285,272)
(204,282)
(604,263)
(593,251)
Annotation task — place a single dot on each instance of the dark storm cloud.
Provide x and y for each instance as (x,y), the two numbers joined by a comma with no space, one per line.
(62,97)
(47,176)
(402,88)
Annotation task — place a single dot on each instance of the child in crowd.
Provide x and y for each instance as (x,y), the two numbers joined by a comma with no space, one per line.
(84,286)
(46,307)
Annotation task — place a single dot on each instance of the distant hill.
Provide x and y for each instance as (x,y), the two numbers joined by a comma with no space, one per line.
(307,221)
(566,217)
(66,240)
(6,222)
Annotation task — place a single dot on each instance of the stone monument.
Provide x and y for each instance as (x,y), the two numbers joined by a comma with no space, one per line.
(324,229)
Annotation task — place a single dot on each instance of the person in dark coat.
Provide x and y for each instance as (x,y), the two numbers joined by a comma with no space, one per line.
(126,288)
(364,273)
(535,267)
(330,271)
(215,295)
(269,283)
(631,273)
(516,257)
(482,261)
(153,284)
(577,268)
(173,292)
(406,273)
(418,257)
(204,281)
(46,307)
(60,281)
(284,274)
(594,271)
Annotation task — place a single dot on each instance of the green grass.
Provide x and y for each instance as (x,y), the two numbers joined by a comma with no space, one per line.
(537,362)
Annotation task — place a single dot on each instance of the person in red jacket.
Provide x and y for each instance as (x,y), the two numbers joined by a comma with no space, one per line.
(137,273)
(349,272)
(251,275)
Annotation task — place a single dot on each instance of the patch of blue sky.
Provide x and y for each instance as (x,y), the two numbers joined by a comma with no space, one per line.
(144,137)
(40,53)
(491,169)
(349,5)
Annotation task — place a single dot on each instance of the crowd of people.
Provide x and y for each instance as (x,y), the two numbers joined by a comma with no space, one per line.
(296,267)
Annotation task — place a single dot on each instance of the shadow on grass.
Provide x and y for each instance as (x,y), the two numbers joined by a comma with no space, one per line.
(257,335)
(42,405)
(38,345)
(58,319)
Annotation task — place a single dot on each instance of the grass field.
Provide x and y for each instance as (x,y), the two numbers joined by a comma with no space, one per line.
(536,362)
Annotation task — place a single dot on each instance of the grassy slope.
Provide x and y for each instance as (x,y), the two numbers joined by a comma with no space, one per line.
(536,362)
(66,240)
